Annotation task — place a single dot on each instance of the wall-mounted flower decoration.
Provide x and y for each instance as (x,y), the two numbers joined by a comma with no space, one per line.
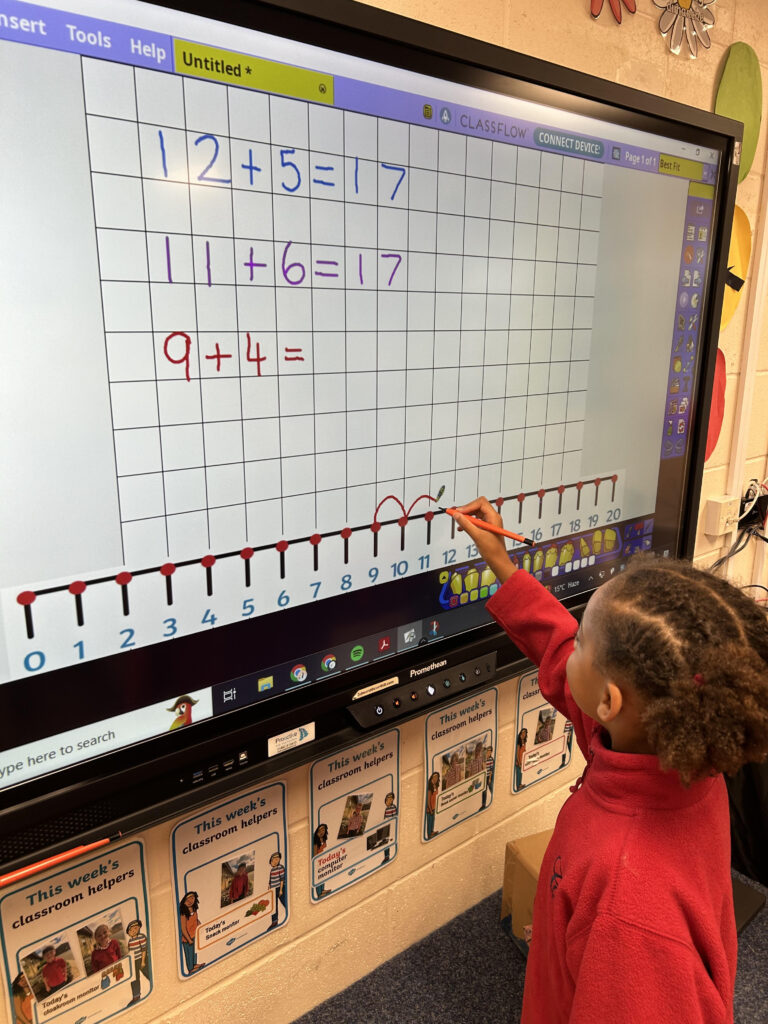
(691,19)
(596,7)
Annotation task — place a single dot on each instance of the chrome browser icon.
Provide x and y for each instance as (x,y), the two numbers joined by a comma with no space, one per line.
(299,673)
(328,663)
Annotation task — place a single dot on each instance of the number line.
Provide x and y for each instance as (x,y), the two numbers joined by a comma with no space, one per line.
(168,568)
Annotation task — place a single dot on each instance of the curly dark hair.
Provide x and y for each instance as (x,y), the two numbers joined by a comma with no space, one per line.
(695,648)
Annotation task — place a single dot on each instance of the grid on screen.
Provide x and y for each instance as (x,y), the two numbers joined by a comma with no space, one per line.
(308,309)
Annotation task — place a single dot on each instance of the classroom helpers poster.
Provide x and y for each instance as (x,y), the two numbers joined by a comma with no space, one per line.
(230,873)
(77,943)
(460,762)
(543,737)
(354,797)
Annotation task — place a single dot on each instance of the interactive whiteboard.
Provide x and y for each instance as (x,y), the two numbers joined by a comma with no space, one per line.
(268,306)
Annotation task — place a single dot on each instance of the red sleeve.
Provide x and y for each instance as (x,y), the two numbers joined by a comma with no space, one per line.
(623,972)
(543,630)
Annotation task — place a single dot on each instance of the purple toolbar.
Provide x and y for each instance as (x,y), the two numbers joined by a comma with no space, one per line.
(91,37)
(73,33)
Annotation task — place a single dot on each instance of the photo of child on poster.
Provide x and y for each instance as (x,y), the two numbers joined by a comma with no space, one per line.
(236,880)
(545,727)
(50,967)
(231,876)
(355,815)
(452,768)
(103,942)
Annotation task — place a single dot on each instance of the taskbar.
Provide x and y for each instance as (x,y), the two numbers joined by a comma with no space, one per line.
(571,566)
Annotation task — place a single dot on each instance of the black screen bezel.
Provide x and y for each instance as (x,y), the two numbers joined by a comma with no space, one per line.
(122,789)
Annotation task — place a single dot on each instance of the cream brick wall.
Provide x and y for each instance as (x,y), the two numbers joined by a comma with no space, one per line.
(328,946)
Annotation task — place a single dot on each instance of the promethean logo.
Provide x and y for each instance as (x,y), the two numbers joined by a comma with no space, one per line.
(433,667)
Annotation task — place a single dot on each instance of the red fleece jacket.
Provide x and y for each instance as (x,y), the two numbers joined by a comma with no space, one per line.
(633,919)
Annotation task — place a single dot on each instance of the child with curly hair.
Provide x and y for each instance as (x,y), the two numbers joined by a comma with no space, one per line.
(666,682)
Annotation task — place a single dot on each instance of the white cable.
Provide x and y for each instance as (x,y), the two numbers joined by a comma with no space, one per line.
(753,493)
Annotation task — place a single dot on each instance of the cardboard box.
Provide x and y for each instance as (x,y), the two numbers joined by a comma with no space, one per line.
(522,863)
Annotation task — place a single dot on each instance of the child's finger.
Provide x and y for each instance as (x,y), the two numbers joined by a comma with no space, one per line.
(473,507)
(461,522)
(476,534)
(490,546)
(482,509)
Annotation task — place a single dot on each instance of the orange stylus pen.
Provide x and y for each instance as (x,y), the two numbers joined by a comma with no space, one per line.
(49,862)
(490,527)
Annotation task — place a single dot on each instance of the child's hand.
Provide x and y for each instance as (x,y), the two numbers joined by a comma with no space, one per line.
(490,545)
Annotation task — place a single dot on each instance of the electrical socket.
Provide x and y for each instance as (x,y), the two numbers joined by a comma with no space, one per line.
(756,515)
(721,515)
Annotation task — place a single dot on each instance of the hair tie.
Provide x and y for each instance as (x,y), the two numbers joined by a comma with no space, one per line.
(698,680)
